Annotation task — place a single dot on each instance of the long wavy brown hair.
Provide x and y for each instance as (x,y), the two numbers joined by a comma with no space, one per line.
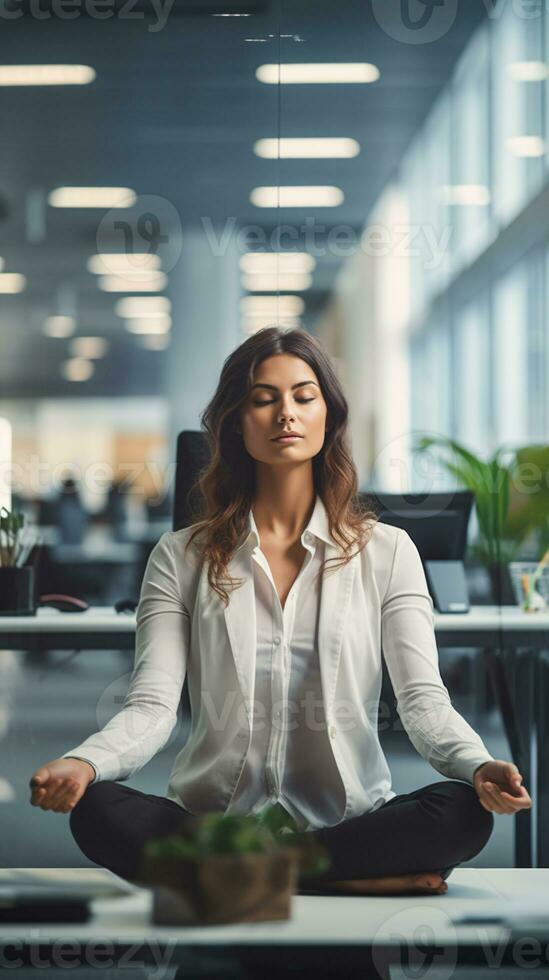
(224,491)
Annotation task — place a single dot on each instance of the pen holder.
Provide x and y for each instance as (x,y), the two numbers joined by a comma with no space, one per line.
(17,591)
(539,597)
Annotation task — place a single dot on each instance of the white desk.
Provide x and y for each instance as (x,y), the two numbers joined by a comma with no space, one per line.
(365,929)
(99,625)
(98,628)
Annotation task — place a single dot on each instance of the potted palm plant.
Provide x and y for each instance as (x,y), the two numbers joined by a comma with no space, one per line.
(16,578)
(231,868)
(490,482)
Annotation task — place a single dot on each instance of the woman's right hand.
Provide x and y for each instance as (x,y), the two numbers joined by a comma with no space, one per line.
(58,785)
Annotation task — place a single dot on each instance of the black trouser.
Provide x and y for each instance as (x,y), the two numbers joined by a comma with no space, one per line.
(433,828)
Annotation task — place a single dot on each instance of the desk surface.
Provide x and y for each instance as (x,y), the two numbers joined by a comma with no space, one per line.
(104,619)
(516,897)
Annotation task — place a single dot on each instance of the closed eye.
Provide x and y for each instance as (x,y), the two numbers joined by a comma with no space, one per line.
(301,401)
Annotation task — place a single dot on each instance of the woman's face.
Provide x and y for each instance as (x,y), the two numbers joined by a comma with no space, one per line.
(279,401)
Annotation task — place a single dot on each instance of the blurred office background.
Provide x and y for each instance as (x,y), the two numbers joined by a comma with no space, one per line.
(174,177)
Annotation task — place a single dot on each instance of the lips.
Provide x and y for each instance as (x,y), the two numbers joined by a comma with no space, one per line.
(287,436)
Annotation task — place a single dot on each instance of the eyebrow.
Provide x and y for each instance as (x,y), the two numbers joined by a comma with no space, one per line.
(299,384)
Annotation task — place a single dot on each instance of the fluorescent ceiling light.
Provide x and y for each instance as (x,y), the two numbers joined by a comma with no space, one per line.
(277,262)
(288,282)
(122,262)
(140,306)
(148,282)
(528,71)
(525,146)
(59,326)
(154,325)
(155,341)
(92,197)
(299,196)
(89,347)
(46,74)
(231,15)
(305,148)
(77,369)
(252,324)
(284,305)
(12,282)
(318,73)
(476,194)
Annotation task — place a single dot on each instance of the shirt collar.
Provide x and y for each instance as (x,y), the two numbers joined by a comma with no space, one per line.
(318,526)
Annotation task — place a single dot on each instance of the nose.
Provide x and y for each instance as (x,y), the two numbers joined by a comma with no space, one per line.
(285,415)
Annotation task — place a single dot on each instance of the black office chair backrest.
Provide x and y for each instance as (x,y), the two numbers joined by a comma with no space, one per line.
(192,455)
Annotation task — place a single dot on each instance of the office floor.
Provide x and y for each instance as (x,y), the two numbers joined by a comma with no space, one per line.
(50,704)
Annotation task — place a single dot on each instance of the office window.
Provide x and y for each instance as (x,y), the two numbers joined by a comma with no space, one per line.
(417,399)
(435,233)
(472,376)
(545,32)
(469,192)
(414,186)
(538,346)
(510,332)
(432,379)
(518,134)
(431,399)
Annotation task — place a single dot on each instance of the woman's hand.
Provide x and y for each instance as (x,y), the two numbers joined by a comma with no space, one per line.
(498,786)
(58,785)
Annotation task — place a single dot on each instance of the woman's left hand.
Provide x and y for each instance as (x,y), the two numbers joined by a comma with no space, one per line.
(498,786)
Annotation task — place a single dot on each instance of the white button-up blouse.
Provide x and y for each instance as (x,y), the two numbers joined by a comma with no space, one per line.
(284,701)
(290,761)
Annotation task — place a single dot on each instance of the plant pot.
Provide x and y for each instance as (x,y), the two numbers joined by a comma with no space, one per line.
(17,591)
(222,888)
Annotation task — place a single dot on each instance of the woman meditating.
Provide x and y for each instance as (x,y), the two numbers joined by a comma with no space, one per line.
(277,605)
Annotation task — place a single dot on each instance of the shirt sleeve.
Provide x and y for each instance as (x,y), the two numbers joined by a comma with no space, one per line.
(438,732)
(82,759)
(149,713)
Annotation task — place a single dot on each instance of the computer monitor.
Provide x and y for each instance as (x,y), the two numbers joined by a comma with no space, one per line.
(436,522)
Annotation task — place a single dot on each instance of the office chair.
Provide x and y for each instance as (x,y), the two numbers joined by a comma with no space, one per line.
(192,455)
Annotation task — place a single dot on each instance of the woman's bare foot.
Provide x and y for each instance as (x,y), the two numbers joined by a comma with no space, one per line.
(423,883)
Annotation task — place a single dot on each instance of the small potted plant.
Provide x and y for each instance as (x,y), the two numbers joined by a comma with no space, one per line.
(16,577)
(232,868)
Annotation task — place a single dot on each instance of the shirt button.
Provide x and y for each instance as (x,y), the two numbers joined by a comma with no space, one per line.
(332,731)
(276,640)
